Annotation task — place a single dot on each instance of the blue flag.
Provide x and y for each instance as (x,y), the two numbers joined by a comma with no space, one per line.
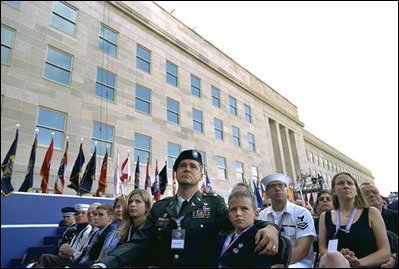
(257,195)
(77,167)
(28,182)
(89,175)
(7,167)
(206,186)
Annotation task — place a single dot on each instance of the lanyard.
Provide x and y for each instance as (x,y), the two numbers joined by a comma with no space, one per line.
(350,221)
(178,221)
(280,223)
(231,238)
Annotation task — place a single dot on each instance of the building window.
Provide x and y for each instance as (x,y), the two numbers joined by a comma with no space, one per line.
(16,4)
(173,111)
(173,153)
(143,99)
(142,148)
(143,59)
(239,171)
(251,142)
(195,86)
(49,121)
(254,173)
(58,66)
(64,18)
(203,154)
(236,136)
(215,96)
(105,85)
(7,41)
(197,120)
(248,113)
(218,124)
(221,164)
(103,134)
(171,73)
(233,105)
(108,40)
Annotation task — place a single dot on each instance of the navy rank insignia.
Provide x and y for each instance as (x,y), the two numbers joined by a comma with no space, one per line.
(301,224)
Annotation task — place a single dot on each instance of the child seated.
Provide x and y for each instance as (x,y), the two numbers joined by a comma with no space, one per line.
(238,245)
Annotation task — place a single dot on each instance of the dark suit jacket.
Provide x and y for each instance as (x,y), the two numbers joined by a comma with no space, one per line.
(241,252)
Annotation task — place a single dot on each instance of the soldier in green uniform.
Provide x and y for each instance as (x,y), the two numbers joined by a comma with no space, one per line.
(182,231)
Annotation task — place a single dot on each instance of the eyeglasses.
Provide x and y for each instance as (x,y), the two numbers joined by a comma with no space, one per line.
(367,193)
(325,198)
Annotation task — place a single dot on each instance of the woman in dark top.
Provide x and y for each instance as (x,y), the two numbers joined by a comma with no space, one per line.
(361,233)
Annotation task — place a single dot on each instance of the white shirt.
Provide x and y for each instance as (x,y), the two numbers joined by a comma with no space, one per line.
(295,222)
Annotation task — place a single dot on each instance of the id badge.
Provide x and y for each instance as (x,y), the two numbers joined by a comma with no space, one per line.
(332,245)
(178,239)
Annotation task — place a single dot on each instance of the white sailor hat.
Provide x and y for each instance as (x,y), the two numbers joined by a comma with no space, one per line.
(276,177)
(82,207)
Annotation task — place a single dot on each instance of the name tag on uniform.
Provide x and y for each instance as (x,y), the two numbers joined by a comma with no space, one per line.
(178,238)
(332,245)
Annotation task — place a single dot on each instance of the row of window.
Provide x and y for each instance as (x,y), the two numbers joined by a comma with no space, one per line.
(52,123)
(320,161)
(59,64)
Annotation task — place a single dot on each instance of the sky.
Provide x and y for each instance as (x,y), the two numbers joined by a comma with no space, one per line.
(336,61)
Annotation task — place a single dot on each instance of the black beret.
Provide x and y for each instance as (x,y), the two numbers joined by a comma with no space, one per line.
(68,211)
(188,154)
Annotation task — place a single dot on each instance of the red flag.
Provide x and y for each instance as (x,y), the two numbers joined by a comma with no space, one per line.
(60,180)
(102,182)
(125,170)
(45,170)
(147,185)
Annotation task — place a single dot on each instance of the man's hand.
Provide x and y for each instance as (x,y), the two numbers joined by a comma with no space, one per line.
(66,250)
(390,264)
(266,241)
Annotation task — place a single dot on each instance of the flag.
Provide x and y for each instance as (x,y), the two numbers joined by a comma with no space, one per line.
(155,186)
(76,170)
(125,175)
(28,182)
(45,170)
(125,170)
(60,179)
(7,167)
(174,184)
(117,190)
(102,182)
(163,179)
(88,176)
(257,195)
(291,196)
(137,174)
(206,185)
(147,185)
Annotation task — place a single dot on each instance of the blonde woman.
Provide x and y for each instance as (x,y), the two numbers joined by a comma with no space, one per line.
(353,233)
(139,204)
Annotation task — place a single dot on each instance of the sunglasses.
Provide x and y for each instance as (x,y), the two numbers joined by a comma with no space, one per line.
(325,199)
